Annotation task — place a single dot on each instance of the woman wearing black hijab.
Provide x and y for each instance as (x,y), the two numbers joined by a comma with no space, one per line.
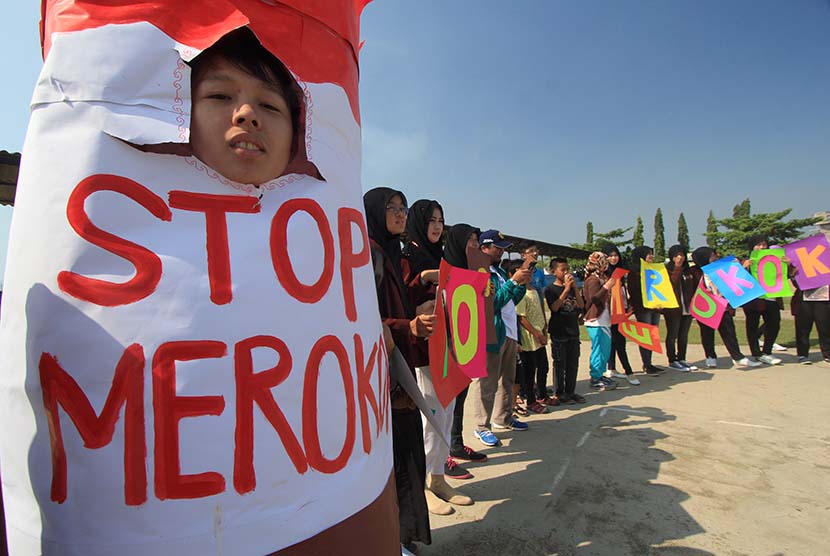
(679,319)
(617,339)
(460,239)
(701,257)
(641,313)
(755,310)
(386,212)
(422,256)
(424,230)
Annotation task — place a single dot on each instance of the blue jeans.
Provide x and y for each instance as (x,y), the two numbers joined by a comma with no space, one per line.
(600,349)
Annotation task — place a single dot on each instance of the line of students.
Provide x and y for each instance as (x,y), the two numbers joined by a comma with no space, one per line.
(406,278)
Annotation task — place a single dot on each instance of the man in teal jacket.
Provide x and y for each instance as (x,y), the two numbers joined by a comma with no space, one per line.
(492,396)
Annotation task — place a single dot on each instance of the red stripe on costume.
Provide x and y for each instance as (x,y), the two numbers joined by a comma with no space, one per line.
(317,39)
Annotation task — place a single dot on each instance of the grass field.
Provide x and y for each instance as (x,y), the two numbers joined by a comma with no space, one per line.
(786,336)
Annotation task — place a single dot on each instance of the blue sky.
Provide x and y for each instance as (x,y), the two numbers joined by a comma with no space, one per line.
(537,116)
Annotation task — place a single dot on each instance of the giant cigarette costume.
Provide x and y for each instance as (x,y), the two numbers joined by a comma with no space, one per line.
(190,365)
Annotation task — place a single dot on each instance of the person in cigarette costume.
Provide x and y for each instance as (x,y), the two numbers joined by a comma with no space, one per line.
(193,360)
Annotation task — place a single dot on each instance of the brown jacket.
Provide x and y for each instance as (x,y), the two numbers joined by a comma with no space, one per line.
(596,297)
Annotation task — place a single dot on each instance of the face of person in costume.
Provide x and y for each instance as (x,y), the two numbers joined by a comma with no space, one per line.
(436,226)
(241,126)
(679,259)
(613,258)
(396,215)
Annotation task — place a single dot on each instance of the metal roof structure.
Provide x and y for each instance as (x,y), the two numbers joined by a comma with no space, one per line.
(9,168)
(545,249)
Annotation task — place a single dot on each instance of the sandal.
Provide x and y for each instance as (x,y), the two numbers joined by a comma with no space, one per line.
(537,408)
(521,410)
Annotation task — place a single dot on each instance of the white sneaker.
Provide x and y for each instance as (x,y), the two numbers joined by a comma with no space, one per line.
(778,347)
(747,362)
(711,363)
(687,364)
(608,374)
(769,360)
(631,380)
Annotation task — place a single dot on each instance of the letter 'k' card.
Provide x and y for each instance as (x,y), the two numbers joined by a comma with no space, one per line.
(812,258)
(733,281)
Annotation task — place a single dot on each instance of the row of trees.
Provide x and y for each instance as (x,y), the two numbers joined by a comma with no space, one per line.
(726,235)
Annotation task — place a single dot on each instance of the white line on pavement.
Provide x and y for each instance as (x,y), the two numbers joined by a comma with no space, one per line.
(560,474)
(624,410)
(748,425)
(583,439)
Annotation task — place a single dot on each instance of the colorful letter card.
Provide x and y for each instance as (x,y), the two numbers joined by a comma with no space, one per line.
(479,261)
(771,272)
(457,347)
(733,281)
(618,313)
(707,307)
(811,256)
(642,334)
(656,286)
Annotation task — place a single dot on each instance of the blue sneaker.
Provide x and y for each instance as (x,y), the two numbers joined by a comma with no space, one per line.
(486,437)
(513,424)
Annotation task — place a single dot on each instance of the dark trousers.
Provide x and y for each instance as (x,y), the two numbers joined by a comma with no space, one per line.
(677,334)
(410,475)
(649,317)
(565,355)
(772,323)
(618,350)
(727,334)
(535,371)
(456,438)
(810,312)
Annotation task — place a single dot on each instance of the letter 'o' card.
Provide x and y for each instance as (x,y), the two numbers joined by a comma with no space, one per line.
(771,272)
(811,256)
(733,281)
(457,346)
(644,335)
(618,313)
(707,307)
(479,261)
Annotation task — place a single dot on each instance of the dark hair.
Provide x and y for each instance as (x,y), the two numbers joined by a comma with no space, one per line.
(556,261)
(242,49)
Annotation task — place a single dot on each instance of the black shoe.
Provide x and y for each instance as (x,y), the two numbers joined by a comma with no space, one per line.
(467,453)
(452,469)
(652,370)
(577,398)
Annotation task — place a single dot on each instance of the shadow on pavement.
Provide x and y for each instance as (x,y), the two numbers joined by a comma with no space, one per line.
(588,489)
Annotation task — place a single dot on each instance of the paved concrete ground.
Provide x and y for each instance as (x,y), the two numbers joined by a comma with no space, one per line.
(723,462)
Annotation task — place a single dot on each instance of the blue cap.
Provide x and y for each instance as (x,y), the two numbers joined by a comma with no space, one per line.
(494,237)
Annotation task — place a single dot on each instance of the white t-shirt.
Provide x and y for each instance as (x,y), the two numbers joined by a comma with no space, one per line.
(508,313)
